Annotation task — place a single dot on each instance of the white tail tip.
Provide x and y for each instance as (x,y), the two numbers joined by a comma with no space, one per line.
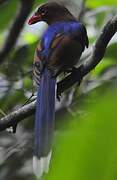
(41,165)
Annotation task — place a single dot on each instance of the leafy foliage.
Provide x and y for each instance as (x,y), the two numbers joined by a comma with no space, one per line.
(99,3)
(87,148)
(7,13)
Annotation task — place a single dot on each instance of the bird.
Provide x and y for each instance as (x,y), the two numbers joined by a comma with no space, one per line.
(58,51)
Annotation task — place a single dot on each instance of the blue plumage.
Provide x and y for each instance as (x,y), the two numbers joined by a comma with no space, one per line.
(70,28)
(59,50)
(45,113)
(44,123)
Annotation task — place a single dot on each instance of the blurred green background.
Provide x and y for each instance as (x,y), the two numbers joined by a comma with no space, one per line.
(85,146)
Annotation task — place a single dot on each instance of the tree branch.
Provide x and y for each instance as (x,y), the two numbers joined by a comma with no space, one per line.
(82,10)
(16,28)
(75,77)
(96,56)
(13,118)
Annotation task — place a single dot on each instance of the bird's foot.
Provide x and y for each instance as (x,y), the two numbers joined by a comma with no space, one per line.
(78,73)
(74,69)
(67,71)
(58,97)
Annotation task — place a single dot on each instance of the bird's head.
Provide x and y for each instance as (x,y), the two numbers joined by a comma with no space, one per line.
(50,12)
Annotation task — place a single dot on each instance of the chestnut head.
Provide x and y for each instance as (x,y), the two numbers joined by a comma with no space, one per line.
(50,13)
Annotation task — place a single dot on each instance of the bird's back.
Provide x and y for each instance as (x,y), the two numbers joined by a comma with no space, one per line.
(63,44)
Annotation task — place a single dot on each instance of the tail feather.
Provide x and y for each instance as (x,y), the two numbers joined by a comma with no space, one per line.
(44,123)
(41,165)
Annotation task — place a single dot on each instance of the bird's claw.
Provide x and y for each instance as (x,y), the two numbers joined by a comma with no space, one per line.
(58,97)
(14,128)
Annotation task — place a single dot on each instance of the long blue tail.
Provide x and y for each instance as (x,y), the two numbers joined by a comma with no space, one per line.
(44,123)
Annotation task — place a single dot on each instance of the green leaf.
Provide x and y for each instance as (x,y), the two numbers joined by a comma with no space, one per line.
(98,3)
(111,51)
(87,149)
(104,64)
(27,83)
(30,38)
(37,3)
(7,13)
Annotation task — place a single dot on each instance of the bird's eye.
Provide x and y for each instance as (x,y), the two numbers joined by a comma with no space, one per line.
(43,11)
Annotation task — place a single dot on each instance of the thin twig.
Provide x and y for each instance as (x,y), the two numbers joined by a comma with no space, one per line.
(16,28)
(82,10)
